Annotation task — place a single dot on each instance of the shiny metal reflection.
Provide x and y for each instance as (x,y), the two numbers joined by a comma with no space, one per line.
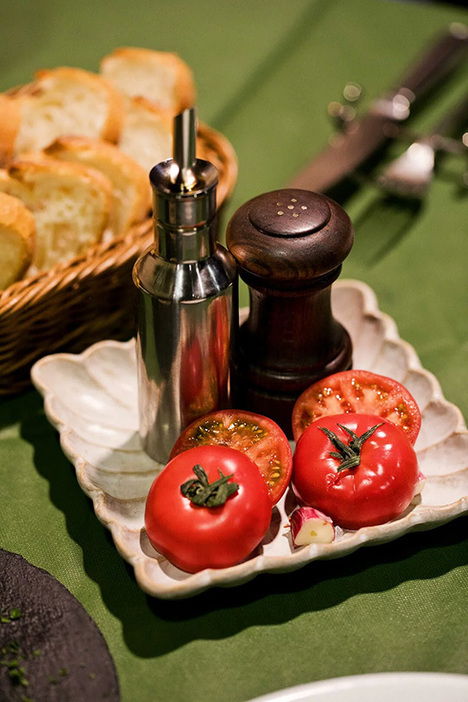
(187,308)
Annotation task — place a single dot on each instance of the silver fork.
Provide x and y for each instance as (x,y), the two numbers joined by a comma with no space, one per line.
(410,174)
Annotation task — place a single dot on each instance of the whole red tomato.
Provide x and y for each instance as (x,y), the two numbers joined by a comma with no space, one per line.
(355,492)
(199,534)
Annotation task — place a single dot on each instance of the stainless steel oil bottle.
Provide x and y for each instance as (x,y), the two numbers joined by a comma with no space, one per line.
(187,299)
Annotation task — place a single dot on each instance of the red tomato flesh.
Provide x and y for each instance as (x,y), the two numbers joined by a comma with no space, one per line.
(194,537)
(374,492)
(259,437)
(358,391)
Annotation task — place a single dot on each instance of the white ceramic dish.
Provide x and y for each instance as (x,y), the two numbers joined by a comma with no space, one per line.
(384,687)
(91,399)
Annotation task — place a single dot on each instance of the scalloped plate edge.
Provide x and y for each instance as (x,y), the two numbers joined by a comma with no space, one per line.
(424,519)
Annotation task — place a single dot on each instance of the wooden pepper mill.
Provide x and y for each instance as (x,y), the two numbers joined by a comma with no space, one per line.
(289,246)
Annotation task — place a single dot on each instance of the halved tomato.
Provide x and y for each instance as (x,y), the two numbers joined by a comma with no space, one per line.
(259,437)
(358,391)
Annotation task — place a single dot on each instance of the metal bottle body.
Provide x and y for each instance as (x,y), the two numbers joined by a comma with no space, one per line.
(187,321)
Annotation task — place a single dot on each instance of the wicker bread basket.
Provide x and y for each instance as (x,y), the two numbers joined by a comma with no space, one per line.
(90,298)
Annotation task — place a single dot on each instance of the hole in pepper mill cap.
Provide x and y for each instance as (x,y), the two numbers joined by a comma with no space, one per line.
(289,213)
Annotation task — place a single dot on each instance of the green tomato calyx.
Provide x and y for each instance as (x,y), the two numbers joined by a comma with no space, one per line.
(349,454)
(205,494)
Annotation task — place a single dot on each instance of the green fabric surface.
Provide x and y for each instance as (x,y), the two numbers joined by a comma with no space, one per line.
(265,73)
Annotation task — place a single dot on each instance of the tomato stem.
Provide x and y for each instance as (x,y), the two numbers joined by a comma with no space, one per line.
(349,454)
(205,494)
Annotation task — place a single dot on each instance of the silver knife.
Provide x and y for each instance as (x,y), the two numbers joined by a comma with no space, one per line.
(352,148)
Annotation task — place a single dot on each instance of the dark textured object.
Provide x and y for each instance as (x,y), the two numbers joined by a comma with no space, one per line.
(47,637)
(289,246)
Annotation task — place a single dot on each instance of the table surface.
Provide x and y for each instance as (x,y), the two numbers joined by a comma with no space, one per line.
(265,73)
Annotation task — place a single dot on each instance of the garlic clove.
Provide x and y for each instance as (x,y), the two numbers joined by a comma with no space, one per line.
(309,526)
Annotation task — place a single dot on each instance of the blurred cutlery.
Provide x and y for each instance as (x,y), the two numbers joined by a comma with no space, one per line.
(363,137)
(410,174)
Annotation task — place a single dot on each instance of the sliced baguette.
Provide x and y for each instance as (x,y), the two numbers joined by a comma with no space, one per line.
(131,194)
(146,134)
(17,239)
(70,204)
(161,77)
(67,101)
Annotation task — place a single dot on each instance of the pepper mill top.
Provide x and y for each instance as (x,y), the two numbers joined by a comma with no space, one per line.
(290,239)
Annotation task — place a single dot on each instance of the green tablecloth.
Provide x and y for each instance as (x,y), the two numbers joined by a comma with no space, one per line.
(265,72)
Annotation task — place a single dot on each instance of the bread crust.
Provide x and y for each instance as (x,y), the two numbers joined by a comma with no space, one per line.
(131,187)
(17,239)
(130,68)
(10,117)
(27,170)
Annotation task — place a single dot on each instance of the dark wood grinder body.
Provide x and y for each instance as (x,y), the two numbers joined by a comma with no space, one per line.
(289,246)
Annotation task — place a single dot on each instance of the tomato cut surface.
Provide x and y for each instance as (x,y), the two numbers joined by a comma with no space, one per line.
(259,437)
(358,391)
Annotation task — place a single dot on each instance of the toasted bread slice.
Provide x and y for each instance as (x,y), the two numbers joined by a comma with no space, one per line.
(17,239)
(161,77)
(131,194)
(70,204)
(146,134)
(67,101)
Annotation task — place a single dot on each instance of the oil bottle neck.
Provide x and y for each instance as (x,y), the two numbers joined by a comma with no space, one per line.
(184,245)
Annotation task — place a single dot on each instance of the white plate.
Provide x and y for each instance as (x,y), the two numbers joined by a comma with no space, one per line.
(91,398)
(378,687)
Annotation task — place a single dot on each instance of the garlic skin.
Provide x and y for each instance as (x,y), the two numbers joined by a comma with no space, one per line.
(309,526)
